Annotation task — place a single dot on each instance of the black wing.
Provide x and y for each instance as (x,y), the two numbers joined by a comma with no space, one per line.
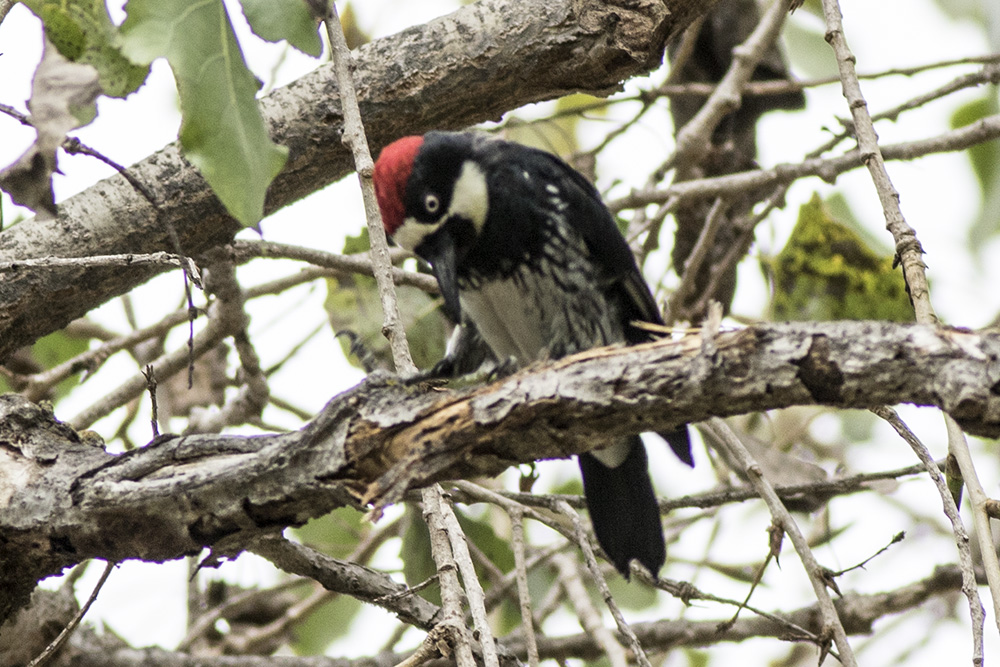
(609,249)
(606,245)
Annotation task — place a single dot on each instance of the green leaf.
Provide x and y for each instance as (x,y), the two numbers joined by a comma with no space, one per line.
(415,552)
(356,244)
(290,20)
(83,32)
(222,131)
(630,596)
(353,34)
(482,534)
(336,534)
(329,622)
(985,160)
(47,353)
(806,45)
(827,272)
(353,305)
(557,134)
(983,156)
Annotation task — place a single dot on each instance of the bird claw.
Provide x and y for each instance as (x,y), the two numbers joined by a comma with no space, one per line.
(503,369)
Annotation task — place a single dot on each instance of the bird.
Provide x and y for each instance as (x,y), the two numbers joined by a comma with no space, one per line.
(530,261)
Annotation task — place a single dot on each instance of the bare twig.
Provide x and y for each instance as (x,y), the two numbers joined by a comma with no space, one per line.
(693,140)
(124,261)
(348,578)
(831,621)
(909,253)
(343,264)
(752,88)
(958,446)
(523,594)
(58,642)
(695,260)
(571,581)
(896,539)
(434,646)
(354,137)
(452,620)
(249,402)
(255,639)
(166,366)
(595,572)
(473,590)
(154,421)
(908,248)
(785,86)
(820,490)
(969,587)
(207,620)
(828,169)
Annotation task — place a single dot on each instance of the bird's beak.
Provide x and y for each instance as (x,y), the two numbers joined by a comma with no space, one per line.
(439,250)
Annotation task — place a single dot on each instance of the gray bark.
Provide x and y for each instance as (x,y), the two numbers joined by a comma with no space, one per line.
(461,69)
(64,500)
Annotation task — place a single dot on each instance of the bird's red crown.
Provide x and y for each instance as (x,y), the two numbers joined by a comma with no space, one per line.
(392,171)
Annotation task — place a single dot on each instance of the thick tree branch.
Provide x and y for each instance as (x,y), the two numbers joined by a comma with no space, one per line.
(464,68)
(63,499)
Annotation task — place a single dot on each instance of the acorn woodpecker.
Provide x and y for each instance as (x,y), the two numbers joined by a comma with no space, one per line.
(527,256)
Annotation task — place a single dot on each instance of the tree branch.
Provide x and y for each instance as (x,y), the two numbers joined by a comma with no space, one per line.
(64,500)
(463,68)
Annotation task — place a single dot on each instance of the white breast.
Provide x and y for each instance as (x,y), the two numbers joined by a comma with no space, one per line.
(530,315)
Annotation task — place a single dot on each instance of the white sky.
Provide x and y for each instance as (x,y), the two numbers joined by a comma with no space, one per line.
(144,603)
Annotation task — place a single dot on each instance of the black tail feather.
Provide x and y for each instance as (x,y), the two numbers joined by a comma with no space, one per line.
(624,511)
(680,441)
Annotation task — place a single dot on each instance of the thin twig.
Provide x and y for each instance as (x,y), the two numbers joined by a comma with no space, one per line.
(523,594)
(354,137)
(190,270)
(249,402)
(822,490)
(692,265)
(969,586)
(786,86)
(958,446)
(830,620)
(986,129)
(751,89)
(908,248)
(58,642)
(123,260)
(452,620)
(693,140)
(166,365)
(473,590)
(909,253)
(203,622)
(602,585)
(571,581)
(154,420)
(361,263)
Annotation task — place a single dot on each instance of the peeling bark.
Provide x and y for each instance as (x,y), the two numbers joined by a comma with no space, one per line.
(64,500)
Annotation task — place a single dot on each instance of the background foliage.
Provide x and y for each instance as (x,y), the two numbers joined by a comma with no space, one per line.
(822,254)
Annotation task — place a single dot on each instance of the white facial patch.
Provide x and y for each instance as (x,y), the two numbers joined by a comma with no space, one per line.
(469,199)
(412,233)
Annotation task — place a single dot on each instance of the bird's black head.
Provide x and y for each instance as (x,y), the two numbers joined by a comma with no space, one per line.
(433,198)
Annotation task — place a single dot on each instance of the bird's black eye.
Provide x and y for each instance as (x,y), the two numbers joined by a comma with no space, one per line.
(431,203)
